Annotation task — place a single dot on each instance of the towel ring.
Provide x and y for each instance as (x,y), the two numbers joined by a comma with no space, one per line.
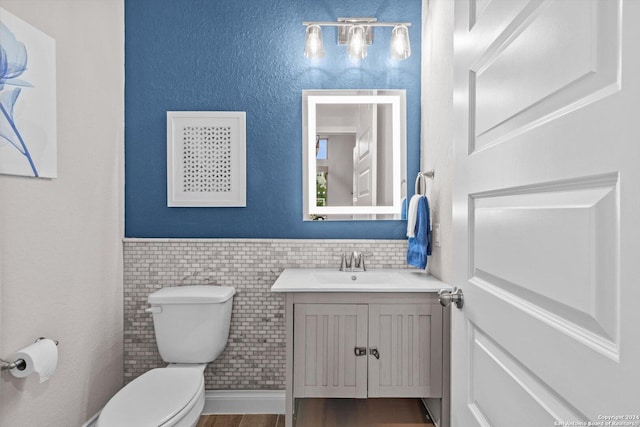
(422,177)
(429,174)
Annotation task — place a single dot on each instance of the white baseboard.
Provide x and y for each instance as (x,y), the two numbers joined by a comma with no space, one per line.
(243,402)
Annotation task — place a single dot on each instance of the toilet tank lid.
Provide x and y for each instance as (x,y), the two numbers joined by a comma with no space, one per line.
(197,294)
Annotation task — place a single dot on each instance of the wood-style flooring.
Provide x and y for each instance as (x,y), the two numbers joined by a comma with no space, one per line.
(335,413)
(246,420)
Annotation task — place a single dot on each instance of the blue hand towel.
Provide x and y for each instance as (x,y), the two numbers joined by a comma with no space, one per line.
(420,246)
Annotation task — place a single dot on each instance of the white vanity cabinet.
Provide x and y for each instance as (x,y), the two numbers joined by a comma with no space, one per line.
(324,343)
(409,342)
(368,349)
(363,334)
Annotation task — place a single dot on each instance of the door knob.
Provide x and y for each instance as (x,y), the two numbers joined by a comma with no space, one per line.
(448,296)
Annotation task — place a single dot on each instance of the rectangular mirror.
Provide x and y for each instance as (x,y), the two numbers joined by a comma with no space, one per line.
(354,154)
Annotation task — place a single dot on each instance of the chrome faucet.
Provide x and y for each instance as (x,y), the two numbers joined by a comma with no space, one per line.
(351,262)
(357,258)
(343,262)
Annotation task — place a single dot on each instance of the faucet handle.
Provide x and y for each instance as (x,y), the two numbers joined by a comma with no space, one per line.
(348,260)
(363,256)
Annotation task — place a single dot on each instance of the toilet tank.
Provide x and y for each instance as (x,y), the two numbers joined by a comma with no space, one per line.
(191,323)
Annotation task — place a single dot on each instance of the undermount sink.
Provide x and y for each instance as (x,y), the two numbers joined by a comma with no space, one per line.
(330,280)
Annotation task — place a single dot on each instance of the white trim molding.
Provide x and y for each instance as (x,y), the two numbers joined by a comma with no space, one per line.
(243,402)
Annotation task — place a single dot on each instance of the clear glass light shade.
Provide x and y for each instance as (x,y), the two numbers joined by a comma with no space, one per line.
(357,42)
(400,45)
(313,47)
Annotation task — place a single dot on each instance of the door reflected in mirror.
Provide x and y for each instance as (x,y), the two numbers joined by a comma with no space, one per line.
(354,154)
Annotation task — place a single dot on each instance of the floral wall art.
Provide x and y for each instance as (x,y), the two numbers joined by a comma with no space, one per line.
(28,137)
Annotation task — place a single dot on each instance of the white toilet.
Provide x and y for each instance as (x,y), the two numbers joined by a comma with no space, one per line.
(192,326)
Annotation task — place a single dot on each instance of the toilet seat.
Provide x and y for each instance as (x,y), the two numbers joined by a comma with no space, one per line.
(159,397)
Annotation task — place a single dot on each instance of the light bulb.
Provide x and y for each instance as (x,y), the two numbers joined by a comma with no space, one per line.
(400,45)
(314,48)
(357,42)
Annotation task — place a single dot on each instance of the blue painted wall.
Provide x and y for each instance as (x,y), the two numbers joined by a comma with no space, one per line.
(247,55)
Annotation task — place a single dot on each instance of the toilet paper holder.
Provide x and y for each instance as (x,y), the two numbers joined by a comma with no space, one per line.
(20,363)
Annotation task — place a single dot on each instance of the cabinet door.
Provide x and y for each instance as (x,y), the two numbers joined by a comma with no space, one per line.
(408,338)
(325,364)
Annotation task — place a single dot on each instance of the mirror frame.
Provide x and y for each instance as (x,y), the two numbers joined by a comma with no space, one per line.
(313,98)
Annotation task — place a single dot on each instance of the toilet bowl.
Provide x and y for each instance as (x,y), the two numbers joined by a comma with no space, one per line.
(191,324)
(171,396)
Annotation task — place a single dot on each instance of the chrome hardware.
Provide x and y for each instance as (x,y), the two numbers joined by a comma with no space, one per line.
(19,364)
(357,258)
(343,261)
(360,351)
(56,342)
(348,262)
(154,309)
(447,296)
(354,261)
(374,352)
(422,179)
(429,174)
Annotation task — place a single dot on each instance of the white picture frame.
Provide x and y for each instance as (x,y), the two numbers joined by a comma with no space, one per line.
(206,159)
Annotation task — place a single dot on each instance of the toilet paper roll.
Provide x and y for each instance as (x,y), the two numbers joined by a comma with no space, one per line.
(40,358)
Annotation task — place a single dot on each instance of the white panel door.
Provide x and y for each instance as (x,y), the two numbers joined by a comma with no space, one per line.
(365,157)
(546,213)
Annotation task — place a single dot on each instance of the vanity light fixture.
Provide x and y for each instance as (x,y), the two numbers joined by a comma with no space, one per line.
(313,47)
(357,34)
(400,45)
(357,42)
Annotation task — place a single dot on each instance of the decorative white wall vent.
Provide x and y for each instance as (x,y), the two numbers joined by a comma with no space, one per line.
(206,158)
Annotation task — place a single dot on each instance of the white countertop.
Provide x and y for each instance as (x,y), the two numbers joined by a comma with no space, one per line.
(332,280)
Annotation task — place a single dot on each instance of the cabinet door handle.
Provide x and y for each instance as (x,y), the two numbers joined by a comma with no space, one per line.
(360,351)
(374,352)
